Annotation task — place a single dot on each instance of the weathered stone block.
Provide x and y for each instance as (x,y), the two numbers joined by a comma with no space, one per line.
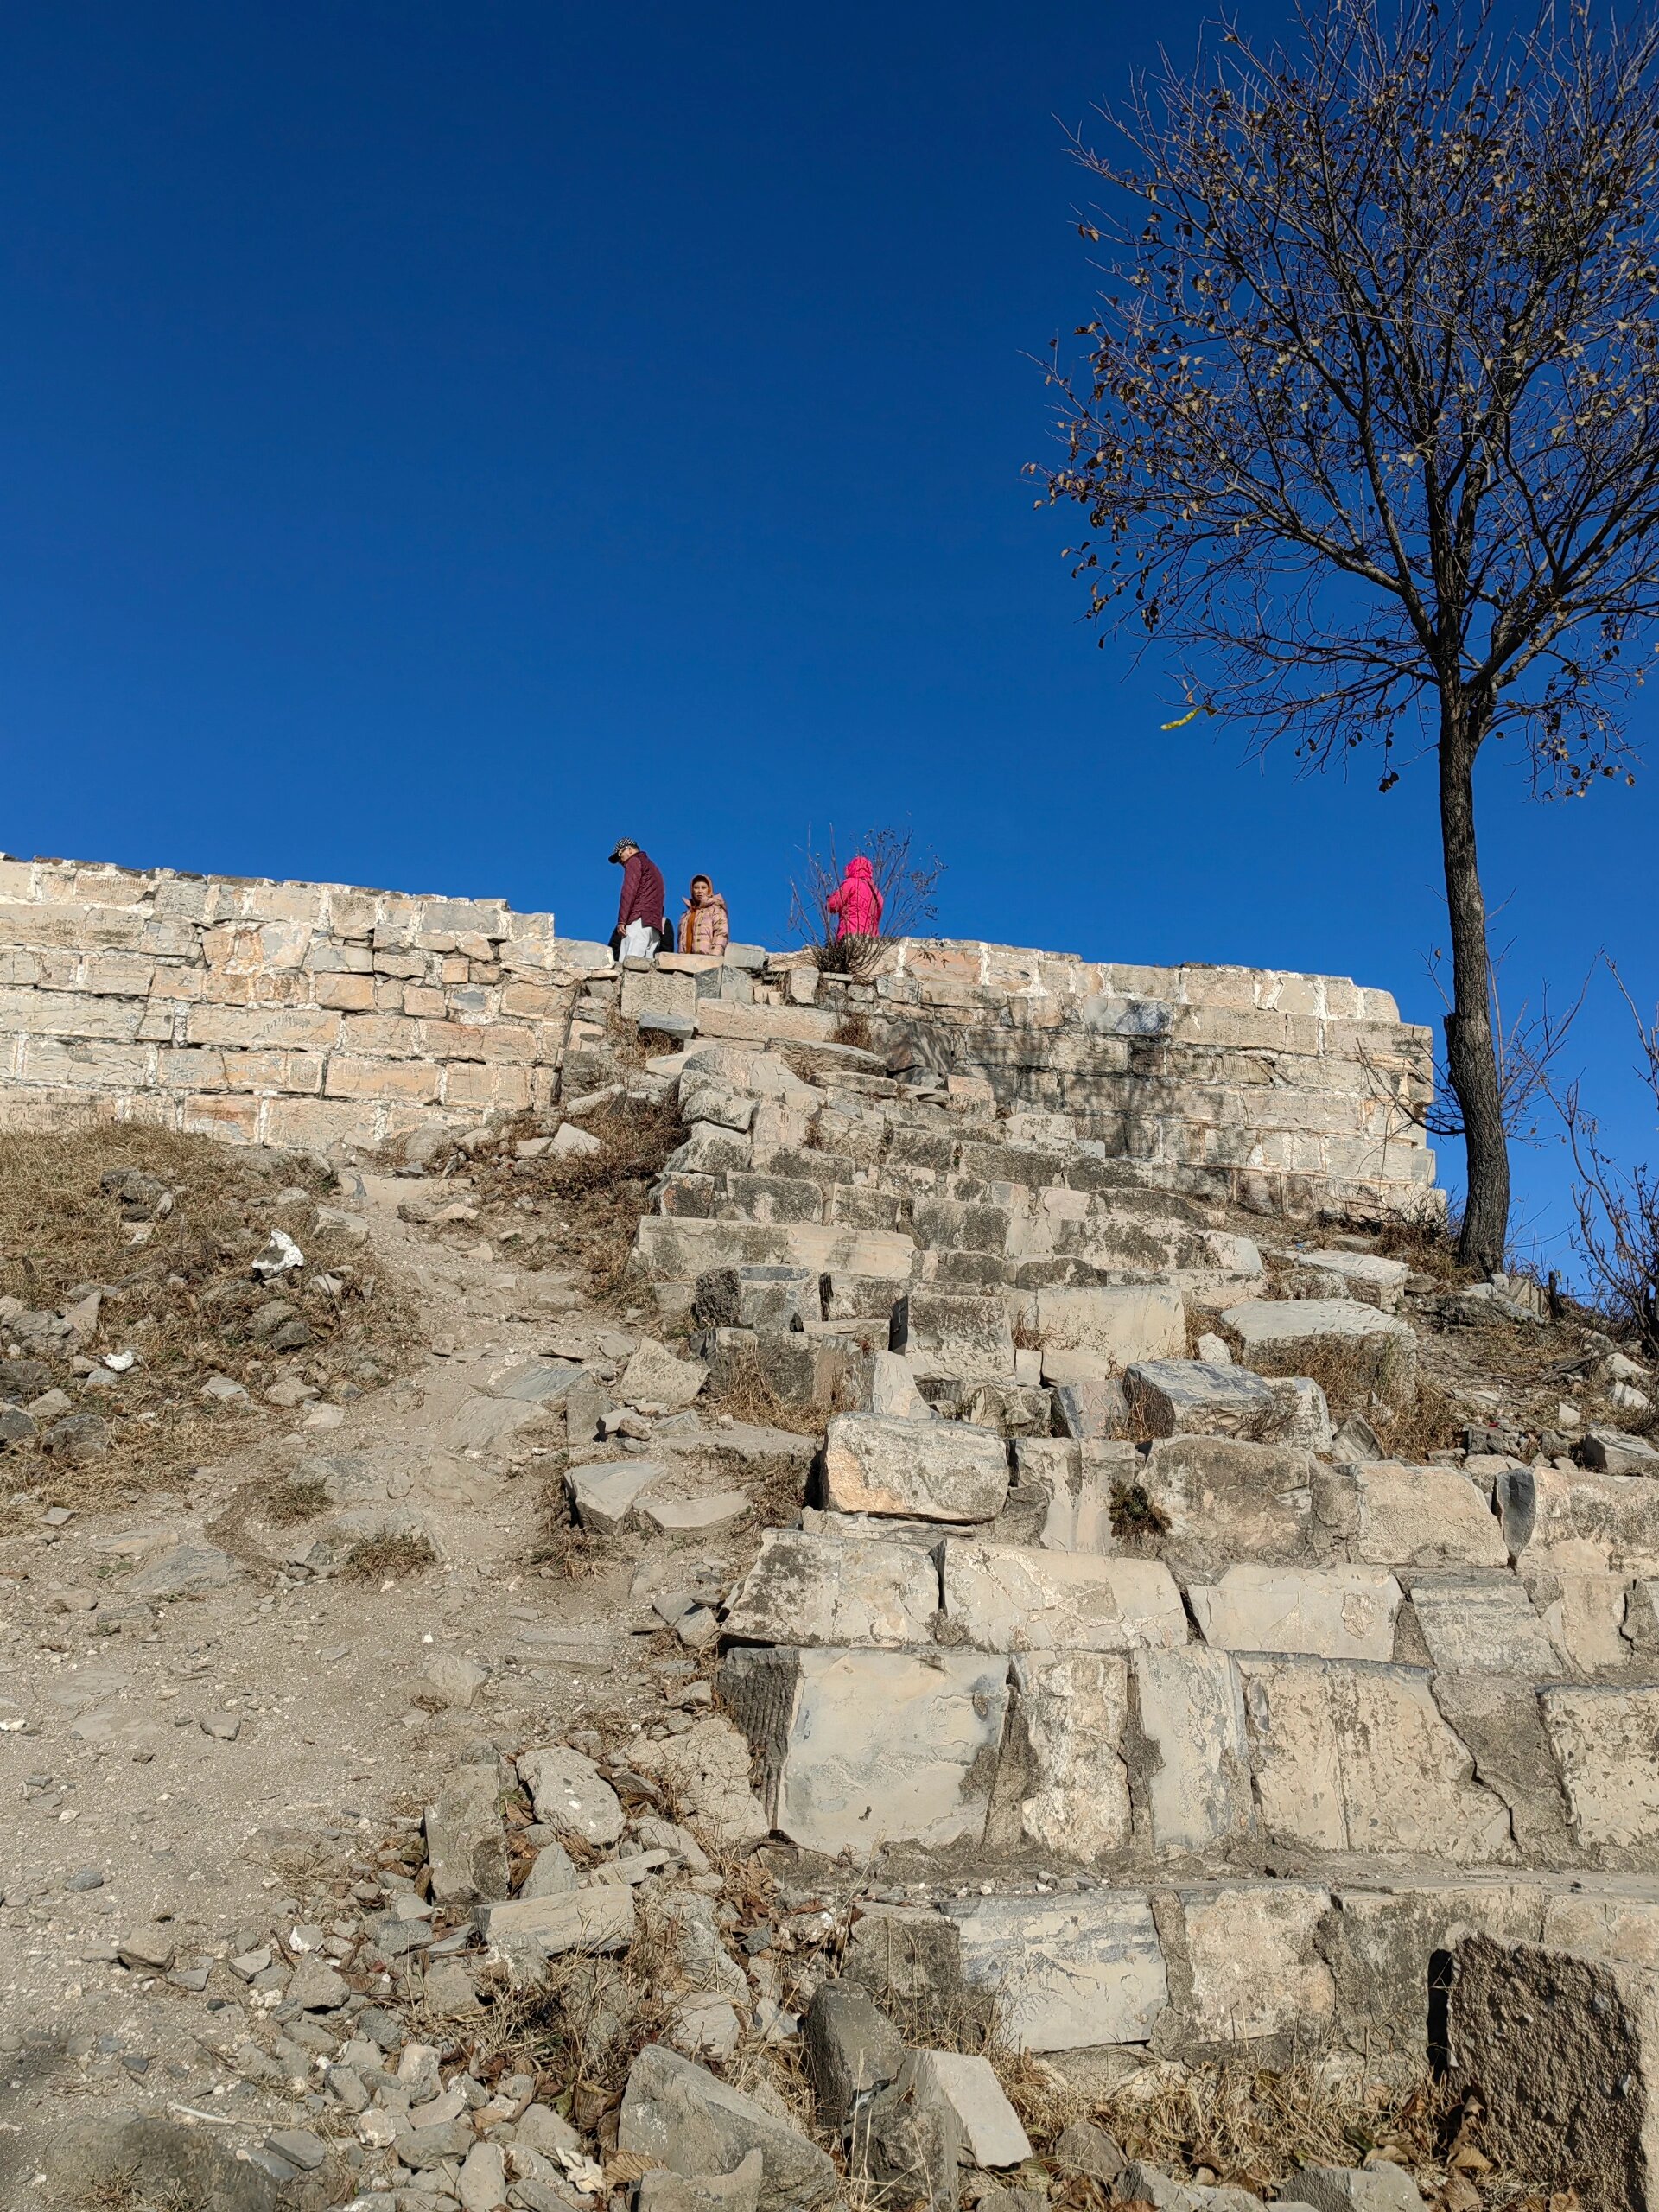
(1063,1784)
(1359,1758)
(1226,1500)
(1120,1323)
(466,1842)
(858,1748)
(1015,1598)
(936,1471)
(1280,1336)
(961,1339)
(1067,1973)
(1422,1516)
(1250,1967)
(1368,1278)
(599,1918)
(1606,1745)
(1564,2054)
(679,2115)
(1483,1628)
(1195,1773)
(1337,1612)
(773,1300)
(825,1590)
(1189,1397)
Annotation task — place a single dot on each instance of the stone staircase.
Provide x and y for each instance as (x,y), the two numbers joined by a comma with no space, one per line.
(1170,1718)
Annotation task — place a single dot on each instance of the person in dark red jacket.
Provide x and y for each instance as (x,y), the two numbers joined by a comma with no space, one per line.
(639,912)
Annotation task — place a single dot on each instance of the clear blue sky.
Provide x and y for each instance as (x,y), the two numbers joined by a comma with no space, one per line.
(438,439)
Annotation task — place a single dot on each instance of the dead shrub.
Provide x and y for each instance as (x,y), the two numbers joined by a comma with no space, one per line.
(1429,1246)
(285,1503)
(1431,1421)
(1358,1375)
(1136,1516)
(1251,2126)
(855,1029)
(742,1388)
(167,1227)
(378,1559)
(596,1200)
(562,1542)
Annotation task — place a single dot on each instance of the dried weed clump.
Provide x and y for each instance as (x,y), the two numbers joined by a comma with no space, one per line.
(379,1558)
(593,1202)
(165,1228)
(741,1389)
(1251,2126)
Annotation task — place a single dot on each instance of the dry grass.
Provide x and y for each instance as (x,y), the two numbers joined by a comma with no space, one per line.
(594,1202)
(379,1558)
(855,1029)
(745,1392)
(1251,2126)
(179,1292)
(1430,1421)
(282,1504)
(1135,1514)
(1430,1247)
(1411,1417)
(562,1541)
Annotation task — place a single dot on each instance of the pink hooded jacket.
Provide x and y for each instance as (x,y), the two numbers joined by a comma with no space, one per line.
(858,903)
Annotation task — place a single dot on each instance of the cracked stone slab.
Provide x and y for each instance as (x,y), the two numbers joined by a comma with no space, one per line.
(1483,1628)
(933,1471)
(1017,1597)
(1360,1758)
(859,1748)
(1334,1612)
(829,1590)
(1068,1973)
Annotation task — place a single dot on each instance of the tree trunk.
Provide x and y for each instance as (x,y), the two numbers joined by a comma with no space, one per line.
(1470,1049)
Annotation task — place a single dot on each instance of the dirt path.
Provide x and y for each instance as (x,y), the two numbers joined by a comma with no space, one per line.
(184,1773)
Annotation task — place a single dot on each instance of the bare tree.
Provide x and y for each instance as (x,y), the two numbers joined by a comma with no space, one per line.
(1525,1046)
(1617,1209)
(1369,425)
(904,881)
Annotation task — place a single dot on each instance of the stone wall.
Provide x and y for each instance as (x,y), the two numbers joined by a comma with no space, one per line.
(314,1014)
(1292,1093)
(299,1015)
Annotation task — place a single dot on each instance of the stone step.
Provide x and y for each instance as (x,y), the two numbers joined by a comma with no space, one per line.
(1344,1960)
(668,1250)
(1126,1744)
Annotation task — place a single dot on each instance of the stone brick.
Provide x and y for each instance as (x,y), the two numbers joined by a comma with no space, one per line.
(313,1124)
(70,1014)
(859,1748)
(415,1080)
(475,1084)
(423,1001)
(1066,1972)
(482,1040)
(298,1072)
(124,973)
(85,1064)
(284,1029)
(385,1036)
(1359,1758)
(200,1067)
(175,984)
(1253,1968)
(221,1117)
(347,994)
